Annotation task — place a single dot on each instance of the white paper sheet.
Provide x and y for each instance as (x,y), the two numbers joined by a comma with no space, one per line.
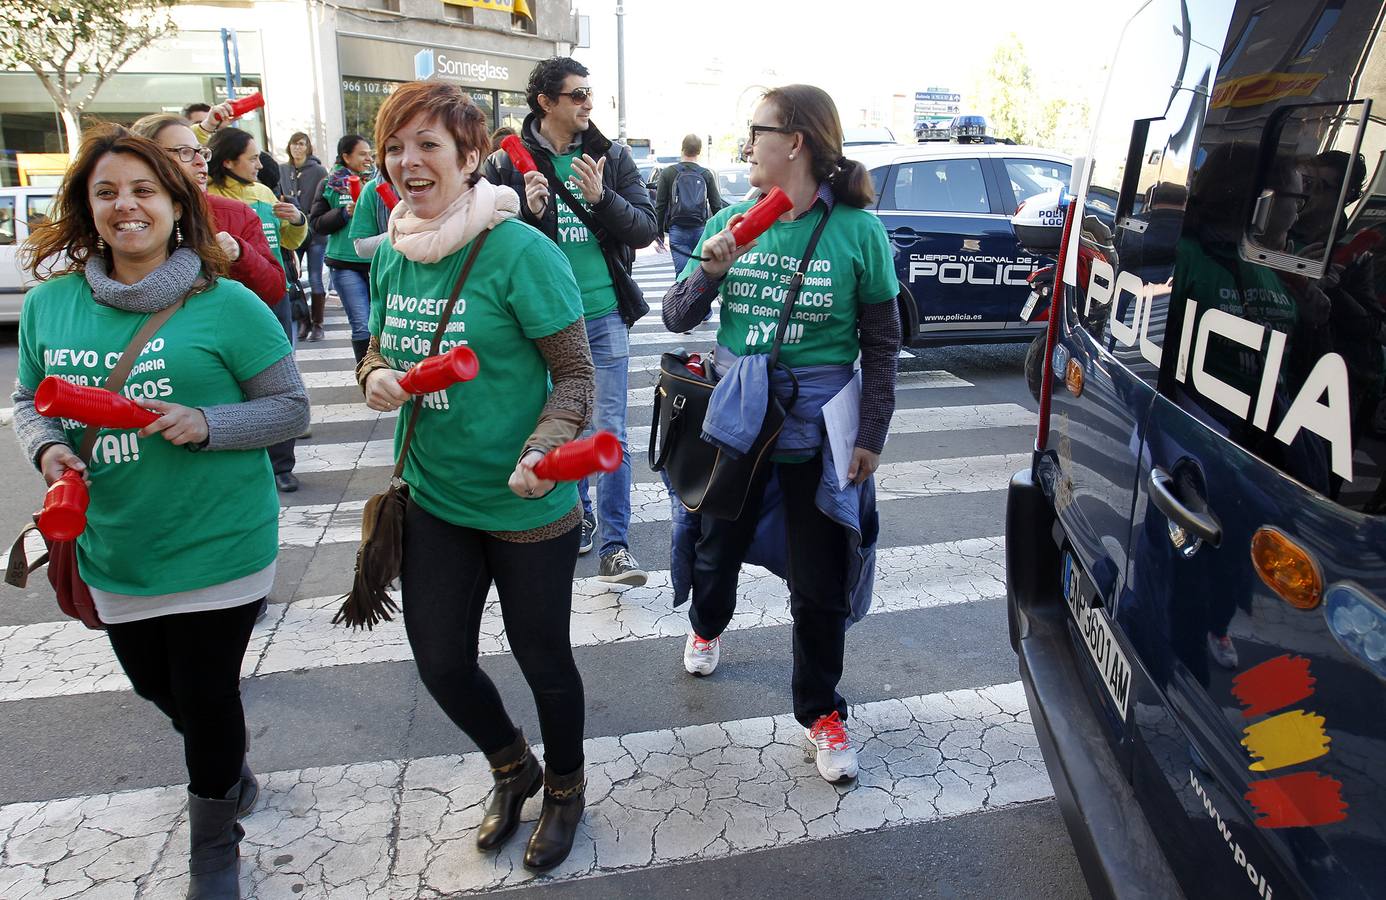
(842,416)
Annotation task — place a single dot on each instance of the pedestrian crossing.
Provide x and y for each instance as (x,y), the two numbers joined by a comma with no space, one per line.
(697,778)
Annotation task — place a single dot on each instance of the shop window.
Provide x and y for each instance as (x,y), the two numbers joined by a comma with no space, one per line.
(527,24)
(462,15)
(361,101)
(512,109)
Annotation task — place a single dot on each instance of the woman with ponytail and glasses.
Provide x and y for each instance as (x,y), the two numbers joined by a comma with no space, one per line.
(182,529)
(845,311)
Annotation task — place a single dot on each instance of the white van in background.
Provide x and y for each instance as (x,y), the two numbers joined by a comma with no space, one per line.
(20,207)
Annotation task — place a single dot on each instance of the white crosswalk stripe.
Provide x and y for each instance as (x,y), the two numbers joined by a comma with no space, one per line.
(382,824)
(330,457)
(53,659)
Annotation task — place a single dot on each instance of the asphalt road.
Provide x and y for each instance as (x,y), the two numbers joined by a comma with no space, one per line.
(696,787)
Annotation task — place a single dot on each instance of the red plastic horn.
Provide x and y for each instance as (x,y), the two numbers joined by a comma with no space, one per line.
(515,149)
(439,372)
(64,513)
(387,195)
(761,216)
(59,398)
(354,187)
(577,459)
(243,105)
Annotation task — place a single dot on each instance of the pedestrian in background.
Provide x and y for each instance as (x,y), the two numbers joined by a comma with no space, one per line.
(604,185)
(687,197)
(477,513)
(299,180)
(239,232)
(232,172)
(499,135)
(796,145)
(330,215)
(182,534)
(196,113)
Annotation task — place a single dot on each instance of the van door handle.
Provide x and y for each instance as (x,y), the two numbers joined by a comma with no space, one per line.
(1162,494)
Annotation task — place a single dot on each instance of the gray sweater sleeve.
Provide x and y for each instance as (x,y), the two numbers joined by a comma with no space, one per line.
(35,432)
(689,300)
(275,409)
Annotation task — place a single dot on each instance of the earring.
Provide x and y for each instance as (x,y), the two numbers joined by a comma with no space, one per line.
(178,235)
(101,245)
(791,156)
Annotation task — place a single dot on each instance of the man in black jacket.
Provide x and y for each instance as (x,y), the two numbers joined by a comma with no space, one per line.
(605,218)
(684,204)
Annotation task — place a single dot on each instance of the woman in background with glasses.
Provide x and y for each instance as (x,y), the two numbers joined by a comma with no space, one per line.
(239,232)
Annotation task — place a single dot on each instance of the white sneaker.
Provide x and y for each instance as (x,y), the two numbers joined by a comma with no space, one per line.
(699,656)
(1223,651)
(836,757)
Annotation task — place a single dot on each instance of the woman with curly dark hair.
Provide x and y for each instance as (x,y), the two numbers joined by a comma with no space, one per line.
(182,527)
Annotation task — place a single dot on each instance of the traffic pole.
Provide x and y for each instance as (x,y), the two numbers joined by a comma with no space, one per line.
(621,70)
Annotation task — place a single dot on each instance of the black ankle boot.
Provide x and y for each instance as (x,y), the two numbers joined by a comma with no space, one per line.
(518,778)
(558,822)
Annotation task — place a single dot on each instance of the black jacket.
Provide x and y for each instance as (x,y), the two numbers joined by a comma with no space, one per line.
(666,191)
(624,214)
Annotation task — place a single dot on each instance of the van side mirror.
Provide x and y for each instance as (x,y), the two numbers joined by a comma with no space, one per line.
(1039,223)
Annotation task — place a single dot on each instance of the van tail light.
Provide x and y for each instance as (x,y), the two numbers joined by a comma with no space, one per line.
(1047,373)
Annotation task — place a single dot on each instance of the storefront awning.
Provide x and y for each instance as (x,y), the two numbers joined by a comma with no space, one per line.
(514,7)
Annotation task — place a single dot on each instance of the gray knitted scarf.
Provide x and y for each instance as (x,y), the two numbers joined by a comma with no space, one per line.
(159,289)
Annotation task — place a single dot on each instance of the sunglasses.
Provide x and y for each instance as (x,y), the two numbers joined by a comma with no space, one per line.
(579,95)
(186,154)
(758,130)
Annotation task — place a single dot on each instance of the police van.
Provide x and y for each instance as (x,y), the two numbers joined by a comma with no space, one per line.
(1196,560)
(946,209)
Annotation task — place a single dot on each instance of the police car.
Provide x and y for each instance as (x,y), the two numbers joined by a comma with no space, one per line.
(1196,559)
(946,209)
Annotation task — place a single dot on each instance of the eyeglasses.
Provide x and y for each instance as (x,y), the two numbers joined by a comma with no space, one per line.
(579,95)
(186,154)
(758,130)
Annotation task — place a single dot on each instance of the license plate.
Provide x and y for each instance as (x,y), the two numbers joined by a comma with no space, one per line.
(1029,306)
(1095,634)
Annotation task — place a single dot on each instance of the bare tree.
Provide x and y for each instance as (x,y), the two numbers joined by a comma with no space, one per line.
(74,46)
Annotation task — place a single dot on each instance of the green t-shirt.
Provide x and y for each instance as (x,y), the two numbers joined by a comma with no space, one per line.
(269,222)
(581,247)
(470,435)
(163,519)
(365,219)
(852,265)
(339,242)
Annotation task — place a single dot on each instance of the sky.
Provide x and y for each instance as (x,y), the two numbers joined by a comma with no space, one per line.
(696,66)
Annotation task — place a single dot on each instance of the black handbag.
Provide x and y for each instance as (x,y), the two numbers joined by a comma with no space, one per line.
(706,479)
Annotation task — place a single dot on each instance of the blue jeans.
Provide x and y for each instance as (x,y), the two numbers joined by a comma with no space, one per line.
(682,240)
(610,341)
(315,251)
(355,293)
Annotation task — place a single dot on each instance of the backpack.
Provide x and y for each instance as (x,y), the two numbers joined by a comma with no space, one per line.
(688,207)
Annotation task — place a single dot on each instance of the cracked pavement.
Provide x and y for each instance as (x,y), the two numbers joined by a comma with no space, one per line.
(405,828)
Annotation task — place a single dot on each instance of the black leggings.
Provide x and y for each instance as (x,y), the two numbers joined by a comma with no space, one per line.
(446,574)
(189,665)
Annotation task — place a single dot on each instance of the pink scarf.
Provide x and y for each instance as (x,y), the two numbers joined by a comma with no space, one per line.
(482,206)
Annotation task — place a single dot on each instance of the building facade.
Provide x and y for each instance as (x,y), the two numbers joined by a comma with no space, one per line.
(324,67)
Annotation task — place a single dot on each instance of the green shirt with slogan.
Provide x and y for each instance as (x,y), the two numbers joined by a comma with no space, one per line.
(365,219)
(581,247)
(470,435)
(340,244)
(852,265)
(163,519)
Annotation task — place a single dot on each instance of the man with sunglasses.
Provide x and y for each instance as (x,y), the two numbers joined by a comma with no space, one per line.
(605,217)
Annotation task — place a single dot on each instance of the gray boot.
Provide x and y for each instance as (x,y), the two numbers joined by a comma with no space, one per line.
(250,791)
(214,862)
